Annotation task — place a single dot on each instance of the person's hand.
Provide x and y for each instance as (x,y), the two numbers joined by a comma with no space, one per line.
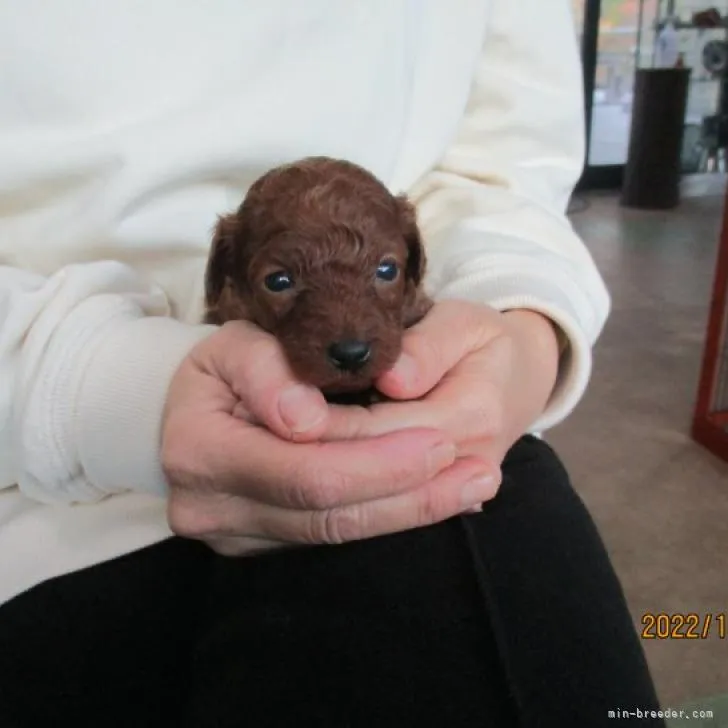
(246,470)
(478,375)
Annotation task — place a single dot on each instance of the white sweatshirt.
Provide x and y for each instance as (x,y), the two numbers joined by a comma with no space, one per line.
(126,126)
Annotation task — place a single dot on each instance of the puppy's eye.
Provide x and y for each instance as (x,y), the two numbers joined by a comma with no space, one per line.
(278,282)
(387,271)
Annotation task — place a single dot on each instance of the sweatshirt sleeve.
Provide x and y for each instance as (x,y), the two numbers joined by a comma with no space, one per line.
(494,208)
(86,357)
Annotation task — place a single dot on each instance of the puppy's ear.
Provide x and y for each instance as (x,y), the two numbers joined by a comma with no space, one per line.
(220,260)
(416,259)
(416,302)
(223,300)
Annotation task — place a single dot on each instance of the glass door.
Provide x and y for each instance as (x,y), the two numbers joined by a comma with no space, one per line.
(618,41)
(612,34)
(618,37)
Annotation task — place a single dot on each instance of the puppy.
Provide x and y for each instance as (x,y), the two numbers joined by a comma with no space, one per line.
(321,255)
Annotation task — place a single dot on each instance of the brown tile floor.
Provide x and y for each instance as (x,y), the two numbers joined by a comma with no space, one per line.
(660,500)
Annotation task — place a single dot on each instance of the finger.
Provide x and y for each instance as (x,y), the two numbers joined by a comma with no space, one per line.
(490,451)
(323,475)
(433,347)
(243,545)
(353,423)
(463,404)
(253,365)
(458,488)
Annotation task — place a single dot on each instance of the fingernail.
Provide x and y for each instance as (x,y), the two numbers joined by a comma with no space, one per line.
(439,457)
(406,370)
(299,409)
(477,508)
(477,490)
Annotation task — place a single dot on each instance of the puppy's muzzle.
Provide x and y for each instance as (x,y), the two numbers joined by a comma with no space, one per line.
(350,355)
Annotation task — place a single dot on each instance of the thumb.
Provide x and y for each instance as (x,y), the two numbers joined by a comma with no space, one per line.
(252,364)
(431,348)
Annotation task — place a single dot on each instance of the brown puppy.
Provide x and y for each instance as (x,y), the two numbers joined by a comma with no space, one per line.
(324,257)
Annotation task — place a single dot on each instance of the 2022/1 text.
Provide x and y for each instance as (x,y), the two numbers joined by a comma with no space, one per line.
(689,626)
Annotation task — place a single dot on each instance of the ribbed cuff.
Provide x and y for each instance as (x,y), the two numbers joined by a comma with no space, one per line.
(121,402)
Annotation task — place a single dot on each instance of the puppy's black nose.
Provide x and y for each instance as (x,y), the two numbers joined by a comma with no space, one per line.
(350,354)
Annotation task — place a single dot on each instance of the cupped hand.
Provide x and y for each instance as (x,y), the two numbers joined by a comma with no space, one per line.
(247,469)
(481,376)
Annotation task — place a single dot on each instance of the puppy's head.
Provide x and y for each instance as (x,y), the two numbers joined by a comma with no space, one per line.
(321,255)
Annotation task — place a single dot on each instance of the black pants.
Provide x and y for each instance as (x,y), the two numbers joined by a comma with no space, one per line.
(512,617)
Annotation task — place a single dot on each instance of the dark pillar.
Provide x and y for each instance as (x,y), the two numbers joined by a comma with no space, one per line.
(652,174)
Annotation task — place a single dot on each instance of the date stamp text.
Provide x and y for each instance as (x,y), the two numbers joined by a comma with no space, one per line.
(690,626)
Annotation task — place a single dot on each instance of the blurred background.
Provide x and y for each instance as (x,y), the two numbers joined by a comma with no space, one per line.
(647,448)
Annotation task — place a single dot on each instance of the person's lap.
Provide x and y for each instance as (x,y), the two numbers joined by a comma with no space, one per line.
(508,617)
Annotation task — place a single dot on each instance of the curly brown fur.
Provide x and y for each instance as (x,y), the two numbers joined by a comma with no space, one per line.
(323,233)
